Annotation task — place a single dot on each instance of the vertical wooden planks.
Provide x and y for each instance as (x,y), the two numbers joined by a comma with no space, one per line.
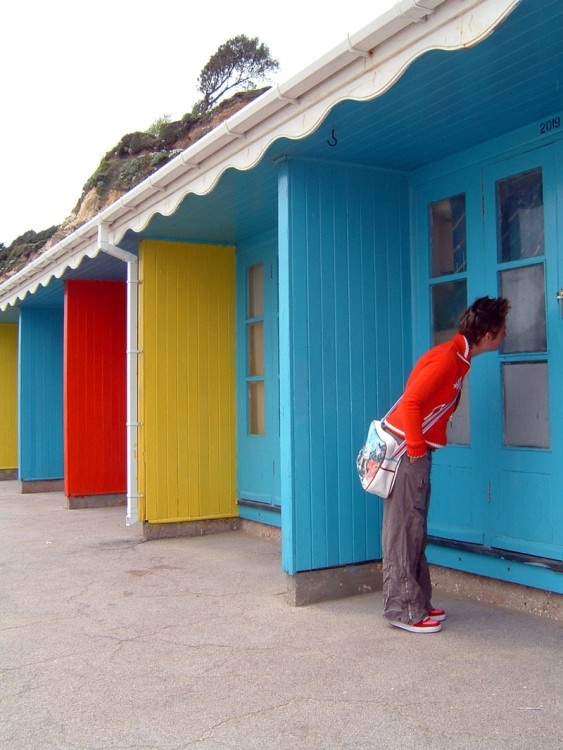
(344,272)
(40,395)
(95,387)
(9,396)
(187,438)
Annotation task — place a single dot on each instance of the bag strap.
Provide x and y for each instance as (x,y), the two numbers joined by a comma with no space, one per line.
(428,422)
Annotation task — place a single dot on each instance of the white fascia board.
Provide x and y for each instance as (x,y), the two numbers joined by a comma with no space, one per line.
(361,68)
(68,253)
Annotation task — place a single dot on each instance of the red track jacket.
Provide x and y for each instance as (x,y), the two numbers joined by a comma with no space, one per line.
(436,379)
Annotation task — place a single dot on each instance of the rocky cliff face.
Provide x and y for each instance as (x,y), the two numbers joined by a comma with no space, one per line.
(135,157)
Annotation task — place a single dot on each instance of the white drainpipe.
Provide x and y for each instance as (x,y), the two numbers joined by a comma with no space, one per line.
(132,367)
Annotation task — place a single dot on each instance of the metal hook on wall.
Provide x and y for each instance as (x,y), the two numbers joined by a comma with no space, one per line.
(332,141)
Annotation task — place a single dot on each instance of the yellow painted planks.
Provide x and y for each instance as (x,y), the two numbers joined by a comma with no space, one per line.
(9,396)
(187,381)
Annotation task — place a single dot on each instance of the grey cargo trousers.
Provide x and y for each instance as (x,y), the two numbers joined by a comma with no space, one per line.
(407,590)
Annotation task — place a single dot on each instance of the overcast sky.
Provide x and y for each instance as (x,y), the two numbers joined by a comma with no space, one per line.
(76,77)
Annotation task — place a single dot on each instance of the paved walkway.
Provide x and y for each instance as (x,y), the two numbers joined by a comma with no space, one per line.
(107,642)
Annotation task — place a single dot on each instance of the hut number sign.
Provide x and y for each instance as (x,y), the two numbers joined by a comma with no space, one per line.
(547,126)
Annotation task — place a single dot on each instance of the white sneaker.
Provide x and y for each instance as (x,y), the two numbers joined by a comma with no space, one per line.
(424,626)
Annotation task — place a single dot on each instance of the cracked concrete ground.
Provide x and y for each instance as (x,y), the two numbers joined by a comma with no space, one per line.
(107,642)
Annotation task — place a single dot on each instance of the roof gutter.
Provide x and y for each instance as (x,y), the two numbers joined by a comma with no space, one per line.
(364,66)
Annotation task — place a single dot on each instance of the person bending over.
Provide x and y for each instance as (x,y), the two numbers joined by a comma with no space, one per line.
(435,381)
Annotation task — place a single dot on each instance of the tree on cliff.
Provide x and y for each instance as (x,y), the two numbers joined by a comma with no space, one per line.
(238,63)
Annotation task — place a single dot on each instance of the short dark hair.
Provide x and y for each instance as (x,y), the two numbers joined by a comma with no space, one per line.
(485,315)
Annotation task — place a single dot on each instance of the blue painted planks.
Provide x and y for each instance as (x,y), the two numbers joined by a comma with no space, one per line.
(343,278)
(41,393)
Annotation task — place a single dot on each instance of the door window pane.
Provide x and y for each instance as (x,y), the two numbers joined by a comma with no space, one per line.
(526,420)
(526,329)
(458,428)
(520,216)
(255,286)
(255,348)
(449,300)
(255,355)
(256,408)
(448,237)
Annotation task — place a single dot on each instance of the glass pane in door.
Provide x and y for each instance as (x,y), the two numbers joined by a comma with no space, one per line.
(526,404)
(459,427)
(255,352)
(520,216)
(256,348)
(448,237)
(256,408)
(526,329)
(449,300)
(255,287)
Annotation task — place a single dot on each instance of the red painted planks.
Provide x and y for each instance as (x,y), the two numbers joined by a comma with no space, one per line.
(95,387)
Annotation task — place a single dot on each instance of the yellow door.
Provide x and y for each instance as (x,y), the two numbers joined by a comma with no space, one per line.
(187,411)
(9,396)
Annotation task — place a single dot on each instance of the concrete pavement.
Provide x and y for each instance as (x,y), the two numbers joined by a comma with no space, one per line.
(108,642)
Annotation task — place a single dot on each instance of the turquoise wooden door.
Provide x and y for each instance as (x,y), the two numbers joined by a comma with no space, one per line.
(448,220)
(493,230)
(258,430)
